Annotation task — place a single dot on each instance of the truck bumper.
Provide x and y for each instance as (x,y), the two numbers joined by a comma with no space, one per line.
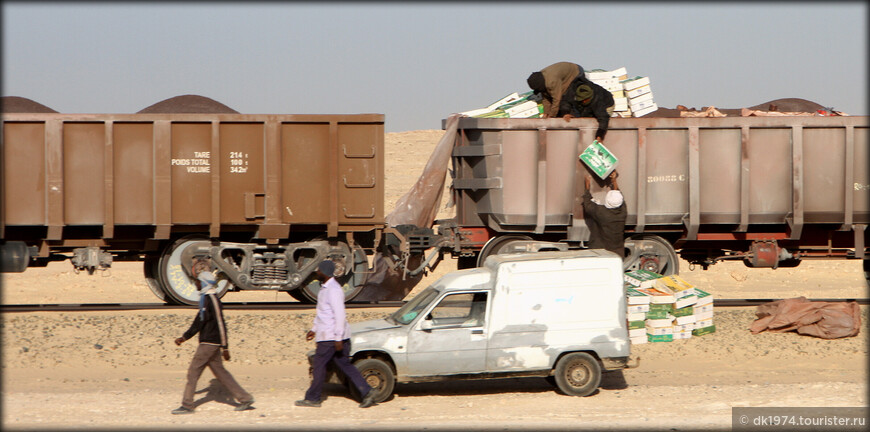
(614,363)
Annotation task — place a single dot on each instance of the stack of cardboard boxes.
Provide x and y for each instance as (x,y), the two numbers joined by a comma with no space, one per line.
(514,105)
(665,308)
(632,97)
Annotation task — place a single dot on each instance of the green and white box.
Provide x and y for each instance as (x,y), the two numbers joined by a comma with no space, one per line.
(641,278)
(660,322)
(686,301)
(684,320)
(683,327)
(655,331)
(638,308)
(599,159)
(637,332)
(699,316)
(640,316)
(639,340)
(704,298)
(688,310)
(682,334)
(641,324)
(703,323)
(635,297)
(660,338)
(704,308)
(704,330)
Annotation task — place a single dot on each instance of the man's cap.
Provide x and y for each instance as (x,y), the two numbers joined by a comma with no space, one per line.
(583,92)
(327,267)
(613,199)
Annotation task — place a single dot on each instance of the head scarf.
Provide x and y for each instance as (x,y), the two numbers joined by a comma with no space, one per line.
(536,82)
(613,199)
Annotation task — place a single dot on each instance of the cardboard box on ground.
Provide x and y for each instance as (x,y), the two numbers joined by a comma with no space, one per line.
(665,308)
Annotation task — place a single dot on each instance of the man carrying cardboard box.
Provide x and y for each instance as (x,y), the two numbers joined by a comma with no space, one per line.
(606,221)
(588,99)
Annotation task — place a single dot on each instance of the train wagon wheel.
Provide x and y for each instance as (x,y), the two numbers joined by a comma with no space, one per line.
(150,267)
(652,253)
(351,283)
(175,283)
(497,245)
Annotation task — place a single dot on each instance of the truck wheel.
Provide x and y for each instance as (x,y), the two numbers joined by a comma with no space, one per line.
(351,283)
(578,374)
(175,283)
(379,375)
(496,245)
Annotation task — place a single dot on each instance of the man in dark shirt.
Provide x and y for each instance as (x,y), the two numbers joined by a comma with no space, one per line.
(551,84)
(606,221)
(212,329)
(589,100)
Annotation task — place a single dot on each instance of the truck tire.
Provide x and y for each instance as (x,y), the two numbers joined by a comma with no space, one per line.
(175,283)
(578,374)
(379,375)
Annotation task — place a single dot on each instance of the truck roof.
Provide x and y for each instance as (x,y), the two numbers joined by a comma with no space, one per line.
(494,261)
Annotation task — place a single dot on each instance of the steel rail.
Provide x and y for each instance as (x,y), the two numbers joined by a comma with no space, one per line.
(86,307)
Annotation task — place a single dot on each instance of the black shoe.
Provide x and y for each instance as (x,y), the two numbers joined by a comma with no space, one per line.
(369,400)
(245,406)
(307,403)
(182,410)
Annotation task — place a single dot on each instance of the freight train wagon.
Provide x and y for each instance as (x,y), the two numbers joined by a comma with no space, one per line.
(267,196)
(767,190)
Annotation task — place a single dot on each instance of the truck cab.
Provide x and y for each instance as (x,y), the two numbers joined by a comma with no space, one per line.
(550,314)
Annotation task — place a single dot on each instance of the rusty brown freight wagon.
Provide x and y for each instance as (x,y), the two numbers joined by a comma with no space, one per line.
(267,196)
(767,190)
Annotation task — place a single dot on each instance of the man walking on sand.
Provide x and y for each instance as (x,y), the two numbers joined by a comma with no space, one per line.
(212,329)
(332,333)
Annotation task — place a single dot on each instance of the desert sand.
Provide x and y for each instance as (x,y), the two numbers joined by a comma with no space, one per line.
(120,370)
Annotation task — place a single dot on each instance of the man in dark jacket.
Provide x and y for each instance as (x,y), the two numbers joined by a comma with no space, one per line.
(606,221)
(212,329)
(589,100)
(552,82)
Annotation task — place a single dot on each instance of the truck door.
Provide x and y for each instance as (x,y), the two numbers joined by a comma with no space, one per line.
(452,338)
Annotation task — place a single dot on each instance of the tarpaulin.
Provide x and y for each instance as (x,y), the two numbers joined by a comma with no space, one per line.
(419,206)
(826,320)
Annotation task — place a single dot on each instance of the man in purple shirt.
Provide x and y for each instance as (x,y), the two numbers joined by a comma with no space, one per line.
(332,333)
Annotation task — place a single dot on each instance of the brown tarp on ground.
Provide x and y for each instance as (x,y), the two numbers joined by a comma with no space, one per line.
(826,320)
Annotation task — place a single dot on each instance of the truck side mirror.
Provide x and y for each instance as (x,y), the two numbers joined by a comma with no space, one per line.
(426,324)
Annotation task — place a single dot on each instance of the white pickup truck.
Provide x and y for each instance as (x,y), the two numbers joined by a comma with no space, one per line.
(559,315)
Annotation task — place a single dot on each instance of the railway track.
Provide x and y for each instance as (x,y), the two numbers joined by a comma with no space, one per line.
(86,307)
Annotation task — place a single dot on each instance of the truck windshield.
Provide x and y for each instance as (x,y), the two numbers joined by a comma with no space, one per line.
(410,310)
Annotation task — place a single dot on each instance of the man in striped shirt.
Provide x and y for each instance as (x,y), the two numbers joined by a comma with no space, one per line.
(212,329)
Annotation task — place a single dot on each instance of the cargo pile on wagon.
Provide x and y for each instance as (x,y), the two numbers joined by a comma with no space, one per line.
(514,105)
(632,97)
(665,308)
